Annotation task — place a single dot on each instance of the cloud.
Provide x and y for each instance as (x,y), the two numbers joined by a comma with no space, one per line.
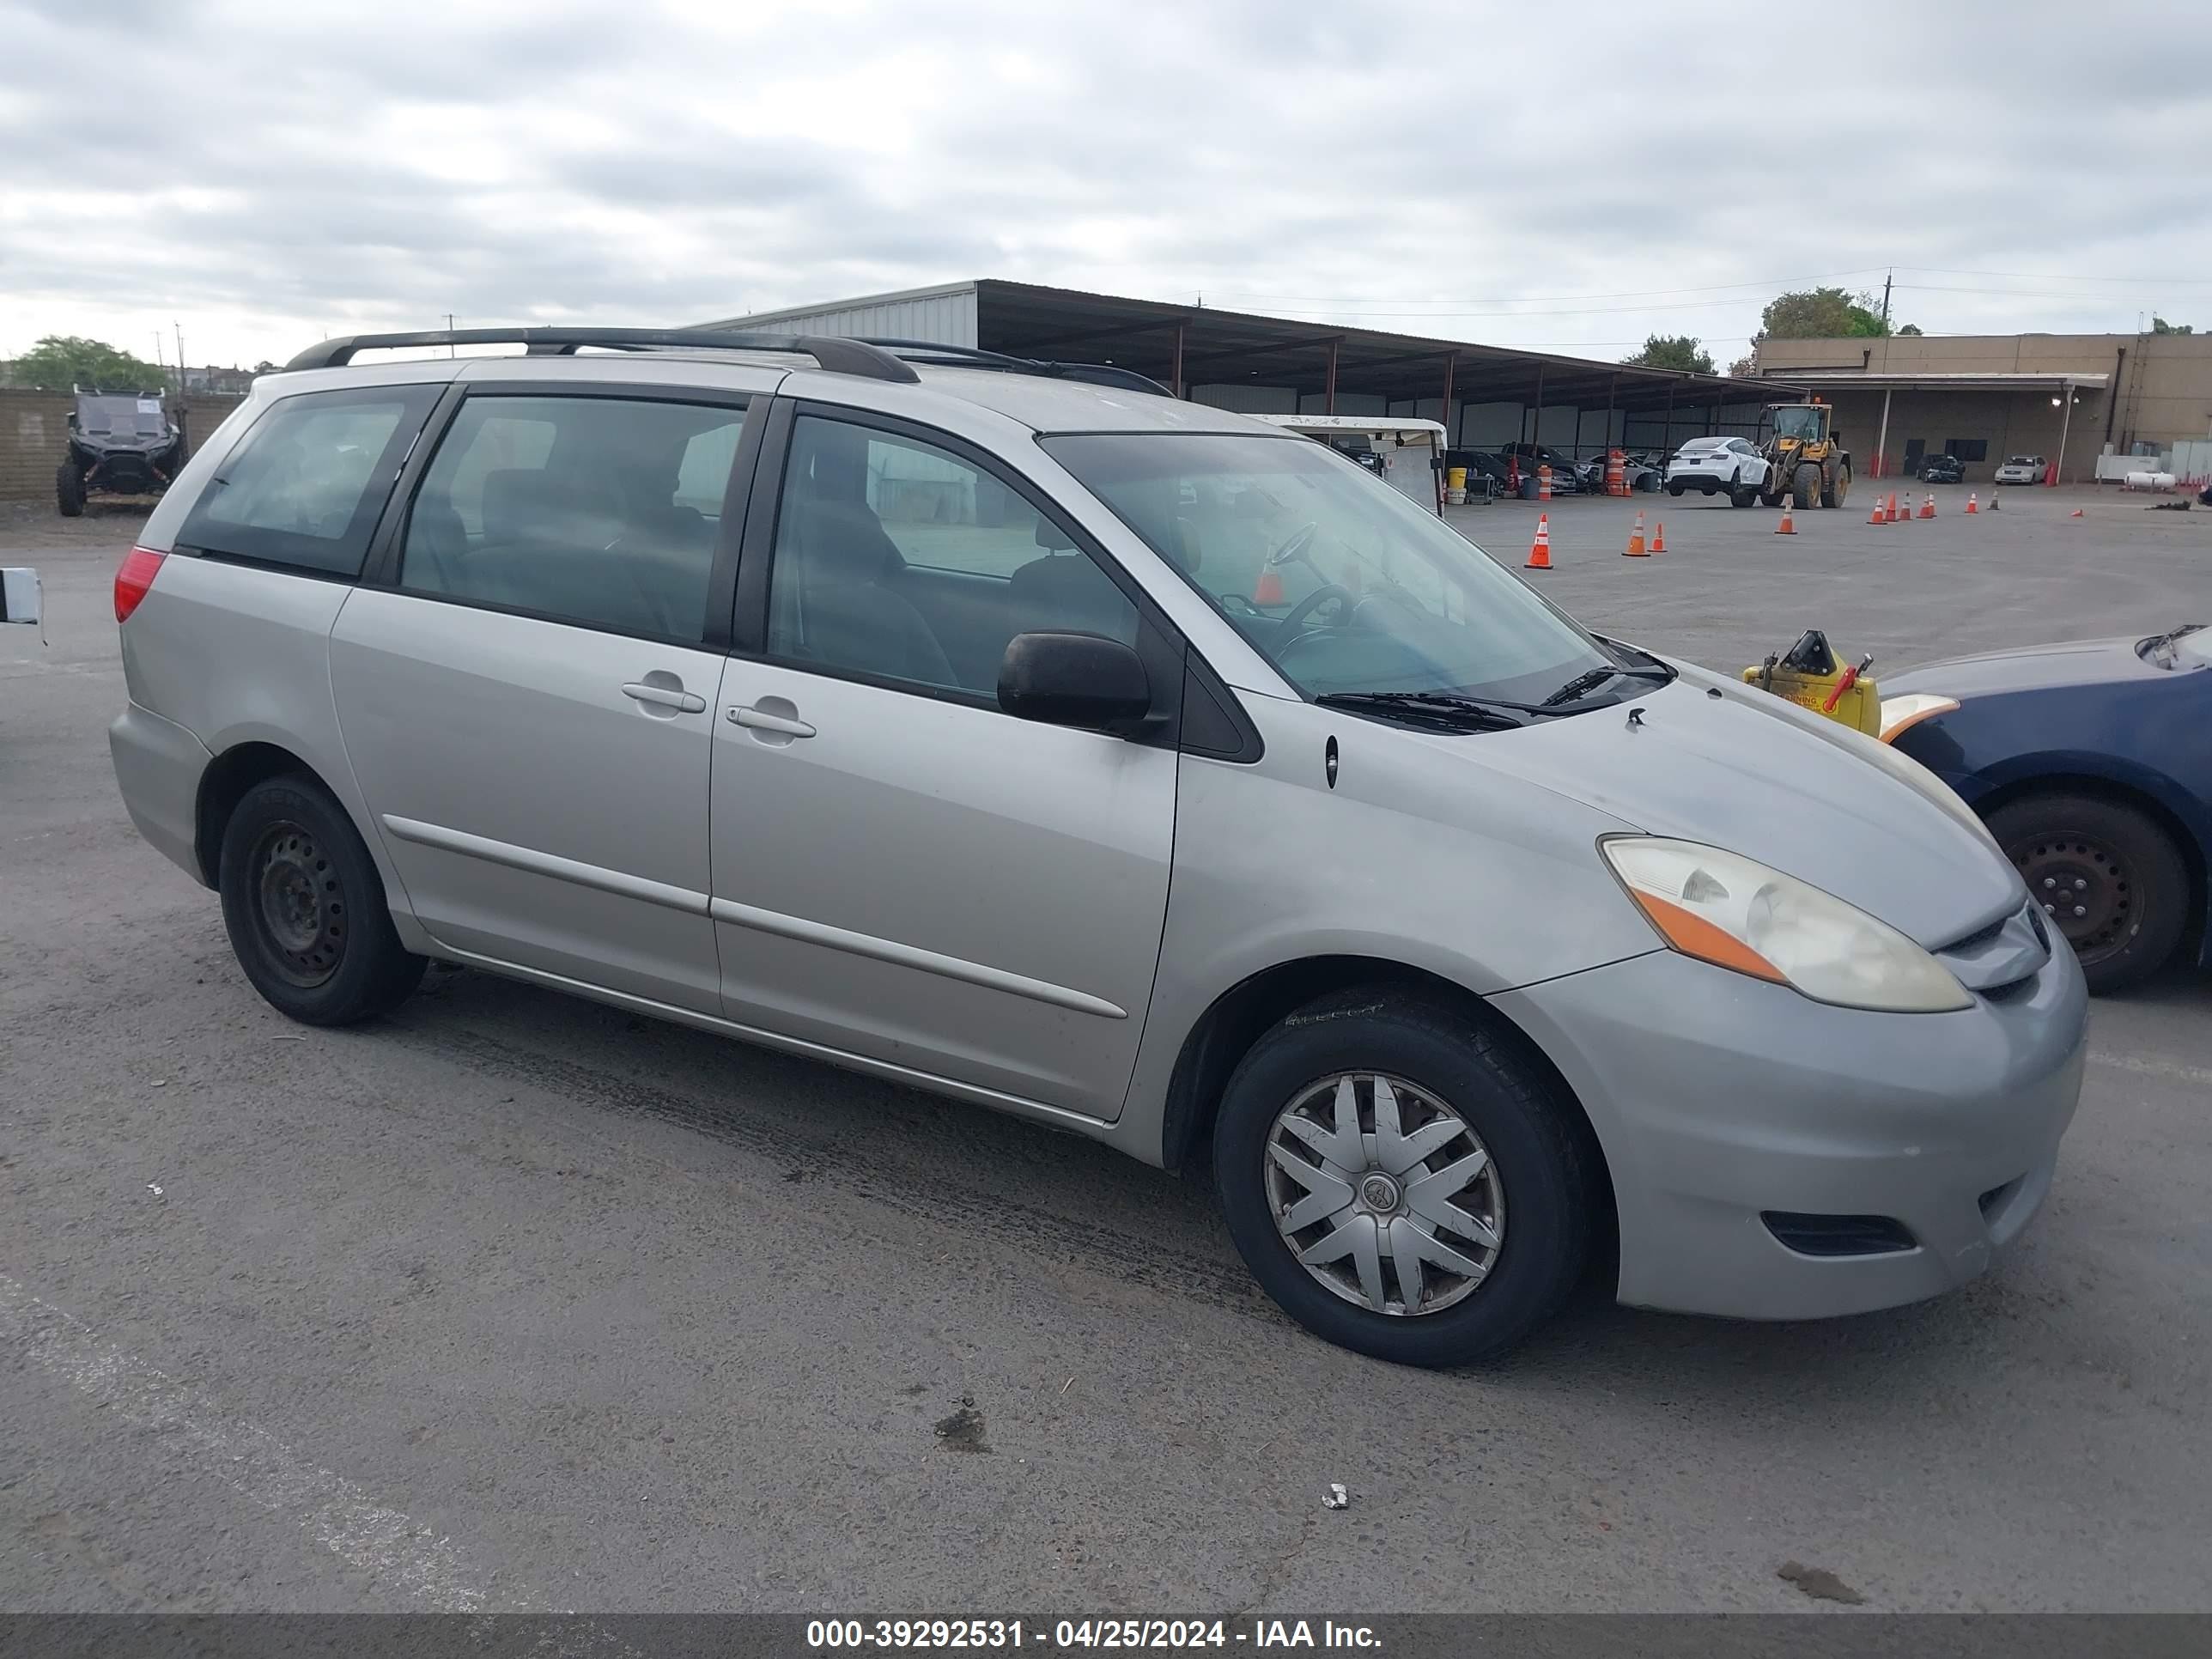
(263,172)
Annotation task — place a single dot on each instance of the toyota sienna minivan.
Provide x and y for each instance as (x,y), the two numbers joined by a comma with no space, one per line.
(1017,732)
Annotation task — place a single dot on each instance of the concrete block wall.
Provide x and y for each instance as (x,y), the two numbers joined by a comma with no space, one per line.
(34,436)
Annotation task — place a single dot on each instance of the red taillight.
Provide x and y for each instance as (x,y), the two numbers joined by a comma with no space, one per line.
(134,580)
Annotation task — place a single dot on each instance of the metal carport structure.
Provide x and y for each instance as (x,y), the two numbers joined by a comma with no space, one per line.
(1241,360)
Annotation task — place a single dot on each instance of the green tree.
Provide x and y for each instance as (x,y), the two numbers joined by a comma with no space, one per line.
(1910,328)
(1673,351)
(59,361)
(1821,313)
(2159,325)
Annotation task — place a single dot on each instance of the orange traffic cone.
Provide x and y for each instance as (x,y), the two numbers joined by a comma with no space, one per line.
(1890,512)
(1877,516)
(1973,502)
(1928,505)
(2075,513)
(1659,538)
(1905,517)
(1268,590)
(1635,549)
(1540,551)
(1788,526)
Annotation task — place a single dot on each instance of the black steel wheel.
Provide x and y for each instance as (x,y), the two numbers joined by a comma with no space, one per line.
(305,908)
(2106,875)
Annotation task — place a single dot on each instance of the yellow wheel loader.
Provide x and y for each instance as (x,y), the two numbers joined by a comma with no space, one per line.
(1805,458)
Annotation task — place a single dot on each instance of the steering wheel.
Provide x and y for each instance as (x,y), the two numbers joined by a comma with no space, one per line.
(1300,540)
(1237,605)
(1288,628)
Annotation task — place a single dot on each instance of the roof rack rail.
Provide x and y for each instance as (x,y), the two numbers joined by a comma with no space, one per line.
(839,355)
(973,357)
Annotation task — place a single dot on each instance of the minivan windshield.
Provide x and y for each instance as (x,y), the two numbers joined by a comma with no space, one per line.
(1344,584)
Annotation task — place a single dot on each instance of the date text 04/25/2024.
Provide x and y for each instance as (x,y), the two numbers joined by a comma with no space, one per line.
(894,1635)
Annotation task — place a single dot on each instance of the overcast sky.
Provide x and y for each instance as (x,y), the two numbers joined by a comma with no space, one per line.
(1578,177)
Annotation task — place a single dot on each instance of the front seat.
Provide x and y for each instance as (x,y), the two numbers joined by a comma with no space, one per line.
(840,613)
(1064,592)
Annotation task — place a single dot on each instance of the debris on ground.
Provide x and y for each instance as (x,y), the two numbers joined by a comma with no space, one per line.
(155,1187)
(2169,506)
(964,1430)
(1818,1583)
(1336,1498)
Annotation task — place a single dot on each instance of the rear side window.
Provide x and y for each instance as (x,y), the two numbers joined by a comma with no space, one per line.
(600,511)
(304,487)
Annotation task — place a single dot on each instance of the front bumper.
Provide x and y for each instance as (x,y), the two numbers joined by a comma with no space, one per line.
(1718,1097)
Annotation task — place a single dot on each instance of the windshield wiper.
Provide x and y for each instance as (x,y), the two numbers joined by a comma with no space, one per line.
(1584,683)
(1441,708)
(2158,642)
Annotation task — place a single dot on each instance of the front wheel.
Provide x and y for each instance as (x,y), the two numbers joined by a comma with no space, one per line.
(1399,1182)
(2106,874)
(1832,494)
(1804,486)
(69,490)
(305,908)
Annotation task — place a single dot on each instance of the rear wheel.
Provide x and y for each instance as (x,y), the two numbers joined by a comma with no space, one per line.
(1804,485)
(305,908)
(1363,1156)
(69,490)
(2107,875)
(1674,486)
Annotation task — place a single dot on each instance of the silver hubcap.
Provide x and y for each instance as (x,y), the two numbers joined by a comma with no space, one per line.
(1384,1194)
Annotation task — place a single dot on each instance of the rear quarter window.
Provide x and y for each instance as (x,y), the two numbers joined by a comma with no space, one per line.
(302,488)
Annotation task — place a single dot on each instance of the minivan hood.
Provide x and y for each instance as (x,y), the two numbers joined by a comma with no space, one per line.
(1746,771)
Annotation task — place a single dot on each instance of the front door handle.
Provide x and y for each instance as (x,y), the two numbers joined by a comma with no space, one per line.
(761,719)
(665,696)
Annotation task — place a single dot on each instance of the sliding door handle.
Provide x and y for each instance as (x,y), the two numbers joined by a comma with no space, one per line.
(768,719)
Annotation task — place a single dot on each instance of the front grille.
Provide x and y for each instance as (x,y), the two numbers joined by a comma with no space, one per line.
(1838,1235)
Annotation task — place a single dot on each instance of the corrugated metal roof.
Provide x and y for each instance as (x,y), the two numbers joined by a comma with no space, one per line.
(945,314)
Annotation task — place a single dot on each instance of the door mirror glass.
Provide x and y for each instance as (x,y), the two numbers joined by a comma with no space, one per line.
(1074,679)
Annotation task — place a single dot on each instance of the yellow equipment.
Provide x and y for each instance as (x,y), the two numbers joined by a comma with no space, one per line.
(1805,457)
(1809,675)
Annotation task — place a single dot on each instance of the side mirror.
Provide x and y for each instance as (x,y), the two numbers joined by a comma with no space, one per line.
(19,596)
(1075,679)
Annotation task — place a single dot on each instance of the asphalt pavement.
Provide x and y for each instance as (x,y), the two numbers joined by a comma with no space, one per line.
(512,1301)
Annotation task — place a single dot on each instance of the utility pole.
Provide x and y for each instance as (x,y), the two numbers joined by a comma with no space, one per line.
(179,327)
(449,329)
(1888,278)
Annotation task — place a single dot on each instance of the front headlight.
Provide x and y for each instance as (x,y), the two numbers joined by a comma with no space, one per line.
(1910,708)
(1737,913)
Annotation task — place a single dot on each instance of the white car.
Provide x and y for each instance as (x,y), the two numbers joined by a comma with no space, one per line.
(1732,466)
(2021,469)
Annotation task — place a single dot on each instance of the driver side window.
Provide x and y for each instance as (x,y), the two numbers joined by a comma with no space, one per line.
(899,560)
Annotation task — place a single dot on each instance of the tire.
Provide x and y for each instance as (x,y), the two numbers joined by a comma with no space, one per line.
(1540,1192)
(1832,495)
(68,491)
(2134,888)
(1804,484)
(305,908)
(1675,487)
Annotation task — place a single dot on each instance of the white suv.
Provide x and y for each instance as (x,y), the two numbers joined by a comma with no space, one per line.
(1729,466)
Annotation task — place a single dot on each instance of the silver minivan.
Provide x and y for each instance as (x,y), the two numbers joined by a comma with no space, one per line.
(1016,731)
